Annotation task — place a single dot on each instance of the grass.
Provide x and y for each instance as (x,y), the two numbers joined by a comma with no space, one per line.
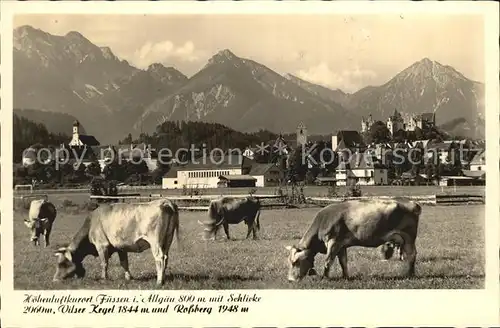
(450,245)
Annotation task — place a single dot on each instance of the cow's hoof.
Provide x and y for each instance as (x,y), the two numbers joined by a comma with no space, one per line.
(128,276)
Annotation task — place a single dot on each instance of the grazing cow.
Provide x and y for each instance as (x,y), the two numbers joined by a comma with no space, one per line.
(355,223)
(41,217)
(121,228)
(228,210)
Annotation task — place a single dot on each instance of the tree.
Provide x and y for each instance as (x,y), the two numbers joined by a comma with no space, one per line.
(454,159)
(378,133)
(417,158)
(399,136)
(93,169)
(297,167)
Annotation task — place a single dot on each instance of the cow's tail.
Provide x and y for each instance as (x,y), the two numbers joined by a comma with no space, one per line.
(169,206)
(177,229)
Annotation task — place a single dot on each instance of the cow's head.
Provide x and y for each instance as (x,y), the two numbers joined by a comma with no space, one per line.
(300,263)
(67,265)
(387,250)
(35,225)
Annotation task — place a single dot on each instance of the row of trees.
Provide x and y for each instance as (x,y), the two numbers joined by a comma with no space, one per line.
(27,132)
(72,173)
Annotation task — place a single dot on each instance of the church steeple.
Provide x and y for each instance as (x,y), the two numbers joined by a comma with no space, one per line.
(76,127)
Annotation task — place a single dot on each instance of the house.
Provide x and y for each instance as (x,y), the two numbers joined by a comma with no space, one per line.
(440,150)
(37,152)
(128,152)
(205,172)
(79,154)
(266,174)
(476,174)
(348,140)
(361,169)
(104,154)
(236,181)
(478,163)
(461,181)
(325,181)
(249,152)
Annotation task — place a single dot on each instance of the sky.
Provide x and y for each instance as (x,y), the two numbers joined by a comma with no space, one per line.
(337,51)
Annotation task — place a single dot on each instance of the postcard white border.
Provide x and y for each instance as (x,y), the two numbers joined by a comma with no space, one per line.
(279,307)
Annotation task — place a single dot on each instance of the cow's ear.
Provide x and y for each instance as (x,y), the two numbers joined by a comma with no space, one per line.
(67,255)
(299,256)
(288,248)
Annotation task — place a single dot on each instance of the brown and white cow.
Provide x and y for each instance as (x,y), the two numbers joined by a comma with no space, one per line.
(229,210)
(370,223)
(41,217)
(121,228)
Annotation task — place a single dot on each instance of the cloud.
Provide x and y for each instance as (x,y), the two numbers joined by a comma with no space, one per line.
(166,51)
(348,80)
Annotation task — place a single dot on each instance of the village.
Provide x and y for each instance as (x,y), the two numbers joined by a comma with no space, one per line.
(357,160)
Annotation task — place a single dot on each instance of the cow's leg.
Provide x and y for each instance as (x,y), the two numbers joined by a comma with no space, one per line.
(47,237)
(249,230)
(124,263)
(254,231)
(342,255)
(332,249)
(160,259)
(226,229)
(104,257)
(409,254)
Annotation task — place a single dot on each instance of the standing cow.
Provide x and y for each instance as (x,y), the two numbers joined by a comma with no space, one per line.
(228,210)
(355,223)
(122,228)
(41,217)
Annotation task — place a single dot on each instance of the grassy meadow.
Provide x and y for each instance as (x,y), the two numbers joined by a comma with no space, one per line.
(450,248)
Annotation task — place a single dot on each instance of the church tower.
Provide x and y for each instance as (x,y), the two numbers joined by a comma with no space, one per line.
(75,139)
(301,134)
(76,127)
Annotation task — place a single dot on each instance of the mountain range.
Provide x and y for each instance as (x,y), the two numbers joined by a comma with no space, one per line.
(70,75)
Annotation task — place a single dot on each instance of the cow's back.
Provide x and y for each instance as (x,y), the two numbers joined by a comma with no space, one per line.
(367,221)
(35,208)
(122,225)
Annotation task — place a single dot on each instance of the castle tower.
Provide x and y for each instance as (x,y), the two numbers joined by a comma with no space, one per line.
(395,122)
(366,124)
(301,134)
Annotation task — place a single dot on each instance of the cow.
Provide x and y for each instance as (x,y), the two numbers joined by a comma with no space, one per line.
(121,228)
(41,217)
(228,210)
(366,223)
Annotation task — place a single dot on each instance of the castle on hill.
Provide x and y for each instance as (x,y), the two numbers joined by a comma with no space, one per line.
(396,122)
